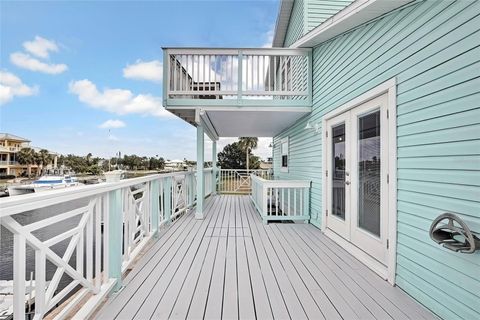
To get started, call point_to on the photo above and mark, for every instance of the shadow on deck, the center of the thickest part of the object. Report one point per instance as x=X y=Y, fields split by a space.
x=231 y=266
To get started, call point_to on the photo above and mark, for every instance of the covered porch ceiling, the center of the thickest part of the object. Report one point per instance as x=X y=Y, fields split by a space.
x=242 y=122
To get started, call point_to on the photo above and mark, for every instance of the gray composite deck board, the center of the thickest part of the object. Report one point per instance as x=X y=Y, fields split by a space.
x=232 y=266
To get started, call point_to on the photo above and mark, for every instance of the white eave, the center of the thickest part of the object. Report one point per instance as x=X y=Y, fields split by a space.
x=281 y=26
x=357 y=13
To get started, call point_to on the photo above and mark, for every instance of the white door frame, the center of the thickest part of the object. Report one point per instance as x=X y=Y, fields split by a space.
x=388 y=273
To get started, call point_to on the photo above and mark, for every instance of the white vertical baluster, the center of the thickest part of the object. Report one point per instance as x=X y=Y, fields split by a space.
x=89 y=249
x=269 y=61
x=301 y=201
x=275 y=79
x=198 y=72
x=79 y=251
x=294 y=202
x=19 y=261
x=98 y=245
x=288 y=202
x=40 y=283
x=258 y=73
x=277 y=201
x=270 y=195
x=231 y=74
x=175 y=73
x=204 y=73
x=106 y=232
x=262 y=74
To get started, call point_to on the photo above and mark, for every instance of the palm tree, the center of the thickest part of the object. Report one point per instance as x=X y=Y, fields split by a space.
x=248 y=144
x=44 y=158
x=26 y=156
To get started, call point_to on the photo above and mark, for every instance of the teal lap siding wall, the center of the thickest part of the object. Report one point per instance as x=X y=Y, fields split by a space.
x=432 y=48
x=308 y=14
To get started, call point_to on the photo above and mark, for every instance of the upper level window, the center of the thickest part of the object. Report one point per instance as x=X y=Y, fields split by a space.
x=284 y=150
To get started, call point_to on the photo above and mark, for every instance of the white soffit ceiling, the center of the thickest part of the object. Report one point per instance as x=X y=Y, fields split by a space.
x=252 y=123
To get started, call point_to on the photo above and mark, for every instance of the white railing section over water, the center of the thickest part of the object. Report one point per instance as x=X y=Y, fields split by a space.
x=108 y=225
x=277 y=200
x=238 y=181
x=215 y=73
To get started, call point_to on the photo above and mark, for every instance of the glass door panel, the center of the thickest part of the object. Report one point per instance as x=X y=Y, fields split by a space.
x=338 y=171
x=369 y=174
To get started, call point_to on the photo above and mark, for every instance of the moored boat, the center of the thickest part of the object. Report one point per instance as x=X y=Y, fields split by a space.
x=45 y=182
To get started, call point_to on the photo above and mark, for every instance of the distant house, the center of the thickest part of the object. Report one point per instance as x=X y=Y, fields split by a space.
x=175 y=165
x=10 y=145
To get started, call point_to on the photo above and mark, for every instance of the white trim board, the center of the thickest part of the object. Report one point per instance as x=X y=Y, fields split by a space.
x=352 y=16
x=389 y=88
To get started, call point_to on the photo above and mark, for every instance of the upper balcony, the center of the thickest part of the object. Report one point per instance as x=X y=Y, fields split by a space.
x=235 y=91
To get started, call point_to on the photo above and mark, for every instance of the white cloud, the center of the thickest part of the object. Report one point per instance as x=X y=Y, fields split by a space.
x=40 y=47
x=26 y=61
x=144 y=70
x=269 y=37
x=119 y=101
x=112 y=124
x=11 y=86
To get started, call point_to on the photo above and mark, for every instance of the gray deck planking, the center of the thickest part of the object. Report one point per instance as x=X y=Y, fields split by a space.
x=232 y=266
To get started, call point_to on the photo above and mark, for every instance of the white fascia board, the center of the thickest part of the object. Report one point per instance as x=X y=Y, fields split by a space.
x=204 y=121
x=357 y=13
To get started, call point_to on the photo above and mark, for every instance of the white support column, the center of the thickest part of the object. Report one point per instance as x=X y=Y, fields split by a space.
x=214 y=166
x=200 y=173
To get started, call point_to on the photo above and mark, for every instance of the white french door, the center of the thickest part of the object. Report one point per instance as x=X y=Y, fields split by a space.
x=357 y=167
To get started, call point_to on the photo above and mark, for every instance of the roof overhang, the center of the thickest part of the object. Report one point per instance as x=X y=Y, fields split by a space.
x=242 y=121
x=355 y=14
x=283 y=20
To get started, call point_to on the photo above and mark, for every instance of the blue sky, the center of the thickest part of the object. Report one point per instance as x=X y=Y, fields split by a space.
x=83 y=76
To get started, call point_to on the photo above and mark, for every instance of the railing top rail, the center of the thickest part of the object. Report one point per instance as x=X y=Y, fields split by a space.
x=249 y=170
x=283 y=183
x=236 y=51
x=14 y=205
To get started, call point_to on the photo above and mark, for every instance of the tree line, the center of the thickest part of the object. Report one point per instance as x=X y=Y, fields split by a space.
x=237 y=155
x=88 y=164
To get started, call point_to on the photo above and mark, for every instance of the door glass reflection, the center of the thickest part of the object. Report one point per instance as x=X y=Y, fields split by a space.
x=338 y=170
x=369 y=173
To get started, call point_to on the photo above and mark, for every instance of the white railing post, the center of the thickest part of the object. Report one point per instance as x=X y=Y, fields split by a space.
x=200 y=173
x=306 y=203
x=154 y=207
x=240 y=74
x=191 y=188
x=40 y=283
x=214 y=167
x=115 y=237
x=167 y=196
x=265 y=199
x=19 y=265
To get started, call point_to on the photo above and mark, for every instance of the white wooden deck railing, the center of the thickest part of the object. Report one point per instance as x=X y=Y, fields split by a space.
x=238 y=181
x=281 y=199
x=210 y=73
x=113 y=222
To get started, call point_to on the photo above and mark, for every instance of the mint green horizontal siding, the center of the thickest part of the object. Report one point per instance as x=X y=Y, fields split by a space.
x=308 y=14
x=317 y=11
x=432 y=48
x=296 y=25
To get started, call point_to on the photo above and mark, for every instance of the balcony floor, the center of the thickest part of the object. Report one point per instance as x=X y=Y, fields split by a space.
x=232 y=266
